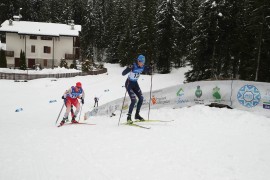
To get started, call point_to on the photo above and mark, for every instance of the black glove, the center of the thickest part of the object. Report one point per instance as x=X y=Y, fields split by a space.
x=82 y=101
x=63 y=97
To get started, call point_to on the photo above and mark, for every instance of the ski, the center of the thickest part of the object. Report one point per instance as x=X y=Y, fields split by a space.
x=154 y=120
x=137 y=125
x=79 y=123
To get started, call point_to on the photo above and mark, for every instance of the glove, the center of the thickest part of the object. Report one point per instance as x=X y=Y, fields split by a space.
x=82 y=101
x=130 y=66
x=63 y=97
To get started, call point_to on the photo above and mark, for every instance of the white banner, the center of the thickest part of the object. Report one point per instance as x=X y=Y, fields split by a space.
x=243 y=95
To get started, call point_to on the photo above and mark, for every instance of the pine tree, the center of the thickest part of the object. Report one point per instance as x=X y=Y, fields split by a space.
x=259 y=23
x=27 y=10
x=87 y=66
x=3 y=60
x=186 y=15
x=117 y=31
x=148 y=46
x=88 y=33
x=232 y=39
x=22 y=61
x=204 y=50
x=99 y=43
x=126 y=49
x=109 y=14
x=63 y=63
x=39 y=11
x=57 y=11
x=166 y=35
x=8 y=8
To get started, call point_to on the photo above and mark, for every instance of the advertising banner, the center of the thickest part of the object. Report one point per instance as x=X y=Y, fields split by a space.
x=243 y=95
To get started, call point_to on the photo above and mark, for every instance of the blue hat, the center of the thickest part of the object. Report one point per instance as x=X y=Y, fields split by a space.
x=141 y=58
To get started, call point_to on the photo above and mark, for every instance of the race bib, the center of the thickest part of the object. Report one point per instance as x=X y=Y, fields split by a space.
x=134 y=76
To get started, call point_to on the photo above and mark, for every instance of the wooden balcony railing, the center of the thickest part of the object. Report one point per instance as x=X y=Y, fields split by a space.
x=9 y=53
x=69 y=56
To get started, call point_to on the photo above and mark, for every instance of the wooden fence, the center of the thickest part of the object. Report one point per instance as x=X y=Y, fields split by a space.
x=25 y=76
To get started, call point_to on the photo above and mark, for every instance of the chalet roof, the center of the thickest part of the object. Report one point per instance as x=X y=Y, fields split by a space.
x=40 y=28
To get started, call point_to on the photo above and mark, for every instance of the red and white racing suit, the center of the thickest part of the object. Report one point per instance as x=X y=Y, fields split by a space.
x=72 y=95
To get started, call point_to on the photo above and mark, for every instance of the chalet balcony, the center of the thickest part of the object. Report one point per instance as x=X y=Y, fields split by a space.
x=69 y=56
x=9 y=53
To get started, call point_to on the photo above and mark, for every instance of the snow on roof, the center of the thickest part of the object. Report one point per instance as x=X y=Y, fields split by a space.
x=40 y=28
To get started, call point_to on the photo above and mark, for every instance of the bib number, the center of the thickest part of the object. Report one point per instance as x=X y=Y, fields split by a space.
x=134 y=76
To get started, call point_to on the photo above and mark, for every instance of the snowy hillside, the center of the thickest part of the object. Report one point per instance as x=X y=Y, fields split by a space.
x=202 y=143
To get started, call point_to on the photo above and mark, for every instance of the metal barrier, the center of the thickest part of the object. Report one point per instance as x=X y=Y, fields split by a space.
x=25 y=76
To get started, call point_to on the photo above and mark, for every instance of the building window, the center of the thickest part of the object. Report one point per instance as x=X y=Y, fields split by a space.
x=33 y=37
x=33 y=49
x=47 y=49
x=3 y=38
x=45 y=62
x=46 y=38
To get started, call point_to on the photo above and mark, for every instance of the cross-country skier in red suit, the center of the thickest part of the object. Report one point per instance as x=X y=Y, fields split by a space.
x=71 y=97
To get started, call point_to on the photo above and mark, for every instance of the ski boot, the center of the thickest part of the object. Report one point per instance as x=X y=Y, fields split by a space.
x=138 y=117
x=74 y=120
x=129 y=121
x=63 y=121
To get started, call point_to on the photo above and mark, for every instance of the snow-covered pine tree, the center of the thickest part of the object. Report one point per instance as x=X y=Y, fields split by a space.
x=87 y=66
x=117 y=30
x=8 y=8
x=88 y=33
x=203 y=54
x=3 y=60
x=148 y=37
x=77 y=10
x=99 y=42
x=231 y=37
x=166 y=32
x=126 y=48
x=259 y=25
x=185 y=15
x=109 y=13
x=63 y=63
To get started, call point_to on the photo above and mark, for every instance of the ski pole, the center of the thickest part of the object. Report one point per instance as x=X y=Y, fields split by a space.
x=122 y=107
x=150 y=93
x=59 y=113
x=124 y=97
x=101 y=96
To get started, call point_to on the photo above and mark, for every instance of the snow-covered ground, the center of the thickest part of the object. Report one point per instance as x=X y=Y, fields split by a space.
x=202 y=143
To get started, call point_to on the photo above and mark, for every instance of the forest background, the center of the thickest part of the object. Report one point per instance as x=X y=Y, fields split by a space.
x=218 y=39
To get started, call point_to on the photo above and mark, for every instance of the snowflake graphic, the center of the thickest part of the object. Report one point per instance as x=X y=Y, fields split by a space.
x=249 y=96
